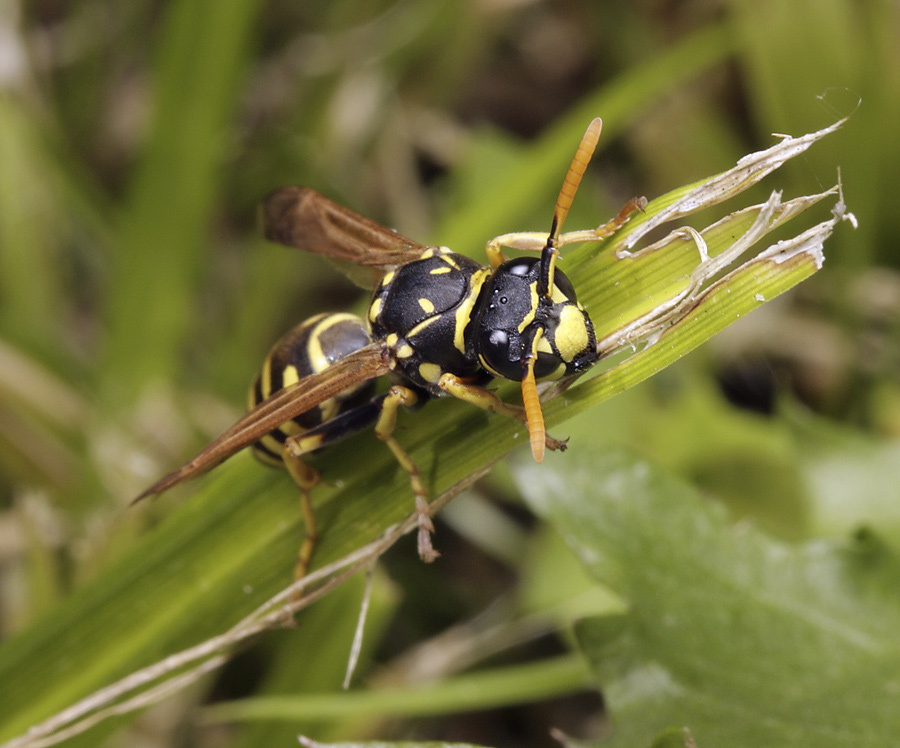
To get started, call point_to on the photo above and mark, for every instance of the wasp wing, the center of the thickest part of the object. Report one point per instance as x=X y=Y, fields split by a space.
x=365 y=250
x=365 y=364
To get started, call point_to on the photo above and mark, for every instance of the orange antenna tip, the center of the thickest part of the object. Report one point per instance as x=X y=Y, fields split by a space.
x=576 y=171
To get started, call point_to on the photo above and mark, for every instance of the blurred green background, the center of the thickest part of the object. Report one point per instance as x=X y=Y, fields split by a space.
x=137 y=298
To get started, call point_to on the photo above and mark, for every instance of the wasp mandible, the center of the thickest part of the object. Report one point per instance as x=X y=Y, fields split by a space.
x=439 y=323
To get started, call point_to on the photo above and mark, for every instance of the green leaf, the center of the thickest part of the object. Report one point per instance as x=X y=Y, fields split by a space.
x=218 y=557
x=743 y=639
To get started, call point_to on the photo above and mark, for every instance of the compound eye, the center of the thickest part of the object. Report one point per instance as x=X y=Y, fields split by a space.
x=561 y=281
x=495 y=350
x=520 y=266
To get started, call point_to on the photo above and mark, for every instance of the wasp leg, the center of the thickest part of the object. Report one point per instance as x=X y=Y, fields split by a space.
x=384 y=428
x=306 y=478
x=487 y=400
x=382 y=411
x=535 y=241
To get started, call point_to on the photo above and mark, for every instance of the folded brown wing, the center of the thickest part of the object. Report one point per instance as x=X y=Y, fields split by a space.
x=302 y=218
x=366 y=363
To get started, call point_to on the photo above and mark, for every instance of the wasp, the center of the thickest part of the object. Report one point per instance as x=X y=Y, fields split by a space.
x=439 y=323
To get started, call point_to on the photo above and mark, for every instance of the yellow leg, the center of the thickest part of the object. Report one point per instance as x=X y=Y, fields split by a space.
x=487 y=400
x=535 y=241
x=384 y=429
x=306 y=479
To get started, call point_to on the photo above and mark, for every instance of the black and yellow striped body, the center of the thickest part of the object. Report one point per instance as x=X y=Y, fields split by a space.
x=426 y=312
x=439 y=323
x=310 y=348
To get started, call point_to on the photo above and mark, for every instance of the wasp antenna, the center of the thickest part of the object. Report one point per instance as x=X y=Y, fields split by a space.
x=573 y=177
x=566 y=194
x=534 y=418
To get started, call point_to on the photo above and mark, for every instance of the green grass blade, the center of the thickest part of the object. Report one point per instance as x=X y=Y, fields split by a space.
x=489 y=689
x=221 y=554
x=166 y=224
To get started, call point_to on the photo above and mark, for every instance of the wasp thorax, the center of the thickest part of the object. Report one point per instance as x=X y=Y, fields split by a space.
x=514 y=314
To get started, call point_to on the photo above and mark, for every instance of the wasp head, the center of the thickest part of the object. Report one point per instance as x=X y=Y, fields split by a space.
x=520 y=320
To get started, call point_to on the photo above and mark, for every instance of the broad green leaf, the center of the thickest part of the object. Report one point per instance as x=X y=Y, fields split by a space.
x=853 y=479
x=743 y=639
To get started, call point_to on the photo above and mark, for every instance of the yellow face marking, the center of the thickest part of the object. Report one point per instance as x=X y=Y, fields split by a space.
x=464 y=311
x=439 y=271
x=551 y=275
x=426 y=305
x=430 y=372
x=557 y=296
x=486 y=366
x=543 y=345
x=571 y=336
x=557 y=373
x=534 y=305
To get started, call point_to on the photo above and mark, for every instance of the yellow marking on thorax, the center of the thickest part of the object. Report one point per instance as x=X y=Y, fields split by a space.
x=529 y=318
x=440 y=271
x=375 y=308
x=426 y=305
x=464 y=312
x=430 y=372
x=430 y=252
x=450 y=261
x=422 y=325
